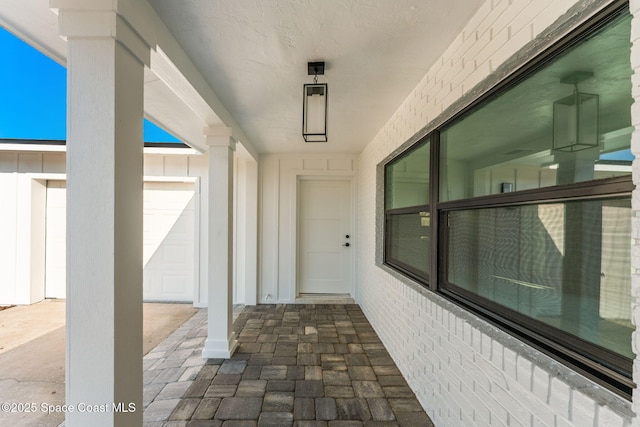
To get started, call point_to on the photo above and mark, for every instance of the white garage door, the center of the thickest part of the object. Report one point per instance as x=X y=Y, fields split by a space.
x=168 y=240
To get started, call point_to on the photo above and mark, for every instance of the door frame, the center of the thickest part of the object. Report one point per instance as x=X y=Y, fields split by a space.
x=295 y=265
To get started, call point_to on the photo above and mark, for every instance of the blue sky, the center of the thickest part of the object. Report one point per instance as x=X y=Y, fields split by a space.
x=34 y=93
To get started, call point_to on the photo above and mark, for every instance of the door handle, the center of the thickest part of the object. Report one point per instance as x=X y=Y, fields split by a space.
x=346 y=244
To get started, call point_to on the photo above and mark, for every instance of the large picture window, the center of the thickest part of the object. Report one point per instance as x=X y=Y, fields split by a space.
x=532 y=205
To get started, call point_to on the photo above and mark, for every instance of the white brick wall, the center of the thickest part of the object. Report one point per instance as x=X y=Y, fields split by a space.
x=464 y=371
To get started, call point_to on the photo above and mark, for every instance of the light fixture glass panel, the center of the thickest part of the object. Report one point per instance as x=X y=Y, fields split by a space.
x=314 y=126
x=588 y=119
x=575 y=122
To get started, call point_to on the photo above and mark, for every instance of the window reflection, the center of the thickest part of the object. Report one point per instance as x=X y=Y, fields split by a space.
x=567 y=265
x=410 y=240
x=407 y=179
x=510 y=138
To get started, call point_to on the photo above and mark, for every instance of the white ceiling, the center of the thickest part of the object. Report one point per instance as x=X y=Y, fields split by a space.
x=253 y=54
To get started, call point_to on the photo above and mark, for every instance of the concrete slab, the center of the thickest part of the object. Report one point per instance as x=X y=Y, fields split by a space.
x=32 y=356
x=160 y=320
x=23 y=323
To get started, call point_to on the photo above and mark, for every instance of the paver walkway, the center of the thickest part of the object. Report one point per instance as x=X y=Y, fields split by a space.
x=296 y=365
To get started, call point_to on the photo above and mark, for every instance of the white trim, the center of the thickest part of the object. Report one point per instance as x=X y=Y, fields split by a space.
x=168 y=151
x=147 y=178
x=220 y=349
x=60 y=148
x=45 y=176
x=185 y=179
x=34 y=147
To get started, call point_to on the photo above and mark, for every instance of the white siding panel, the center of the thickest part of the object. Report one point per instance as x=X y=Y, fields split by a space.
x=54 y=162
x=30 y=162
x=8 y=235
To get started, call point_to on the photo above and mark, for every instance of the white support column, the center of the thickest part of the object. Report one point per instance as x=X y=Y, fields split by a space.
x=105 y=65
x=220 y=342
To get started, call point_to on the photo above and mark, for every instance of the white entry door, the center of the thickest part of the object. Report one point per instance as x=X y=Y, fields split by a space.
x=325 y=246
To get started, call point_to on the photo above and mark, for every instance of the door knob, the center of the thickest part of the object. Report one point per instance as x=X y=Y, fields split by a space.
x=346 y=244
x=347 y=236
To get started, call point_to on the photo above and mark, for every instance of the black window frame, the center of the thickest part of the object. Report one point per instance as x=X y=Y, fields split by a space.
x=422 y=276
x=607 y=368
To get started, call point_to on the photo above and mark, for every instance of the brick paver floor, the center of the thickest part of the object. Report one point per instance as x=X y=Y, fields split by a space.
x=303 y=366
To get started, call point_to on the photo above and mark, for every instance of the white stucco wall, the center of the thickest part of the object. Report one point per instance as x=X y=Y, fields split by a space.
x=463 y=370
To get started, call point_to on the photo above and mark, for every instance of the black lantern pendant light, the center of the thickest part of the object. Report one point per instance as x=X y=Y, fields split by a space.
x=314 y=107
x=575 y=117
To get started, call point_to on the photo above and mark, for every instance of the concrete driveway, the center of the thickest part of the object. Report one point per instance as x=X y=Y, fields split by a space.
x=32 y=355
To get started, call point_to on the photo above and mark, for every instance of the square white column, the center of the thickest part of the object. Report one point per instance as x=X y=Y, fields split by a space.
x=104 y=215
x=220 y=342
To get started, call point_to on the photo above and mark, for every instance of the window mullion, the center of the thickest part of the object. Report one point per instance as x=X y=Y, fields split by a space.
x=434 y=180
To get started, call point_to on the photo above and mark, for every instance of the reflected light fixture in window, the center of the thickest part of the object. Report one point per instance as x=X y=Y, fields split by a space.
x=575 y=117
x=314 y=107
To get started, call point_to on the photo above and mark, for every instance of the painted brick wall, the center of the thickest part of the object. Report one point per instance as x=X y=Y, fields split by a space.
x=464 y=371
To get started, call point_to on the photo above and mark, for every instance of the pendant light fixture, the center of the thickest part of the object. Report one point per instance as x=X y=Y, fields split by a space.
x=314 y=107
x=575 y=117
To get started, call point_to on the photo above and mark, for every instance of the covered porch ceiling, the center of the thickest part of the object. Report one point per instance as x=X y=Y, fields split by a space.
x=242 y=63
